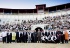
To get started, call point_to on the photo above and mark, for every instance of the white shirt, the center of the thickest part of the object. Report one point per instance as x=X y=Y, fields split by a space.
x=4 y=34
x=53 y=37
x=29 y=35
x=46 y=37
x=9 y=33
x=19 y=34
x=43 y=38
x=24 y=33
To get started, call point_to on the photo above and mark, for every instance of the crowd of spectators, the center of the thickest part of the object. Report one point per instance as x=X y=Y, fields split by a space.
x=54 y=22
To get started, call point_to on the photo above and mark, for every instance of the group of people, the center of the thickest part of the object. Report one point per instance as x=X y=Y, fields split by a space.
x=21 y=32
x=38 y=36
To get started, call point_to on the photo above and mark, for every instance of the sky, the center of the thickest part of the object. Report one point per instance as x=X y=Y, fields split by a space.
x=29 y=4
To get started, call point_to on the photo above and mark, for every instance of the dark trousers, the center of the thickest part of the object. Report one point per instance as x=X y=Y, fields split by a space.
x=35 y=40
x=39 y=39
x=57 y=41
x=4 y=39
x=66 y=41
x=25 y=39
x=9 y=39
x=32 y=39
x=46 y=40
x=43 y=41
x=17 y=39
x=62 y=40
x=13 y=40
x=20 y=39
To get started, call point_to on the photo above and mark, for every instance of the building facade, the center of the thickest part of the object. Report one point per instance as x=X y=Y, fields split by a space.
x=41 y=11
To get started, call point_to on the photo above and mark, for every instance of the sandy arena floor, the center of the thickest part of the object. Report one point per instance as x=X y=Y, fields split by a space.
x=34 y=45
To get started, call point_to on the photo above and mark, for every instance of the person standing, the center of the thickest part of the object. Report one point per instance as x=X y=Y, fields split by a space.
x=62 y=37
x=20 y=36
x=13 y=36
x=66 y=35
x=29 y=37
x=4 y=35
x=32 y=37
x=25 y=36
x=58 y=35
x=35 y=36
x=9 y=36
x=39 y=36
x=17 y=36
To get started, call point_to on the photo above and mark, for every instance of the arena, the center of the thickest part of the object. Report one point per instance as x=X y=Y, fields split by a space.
x=35 y=28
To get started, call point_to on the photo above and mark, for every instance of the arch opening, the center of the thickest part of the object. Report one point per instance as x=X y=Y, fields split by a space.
x=38 y=28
